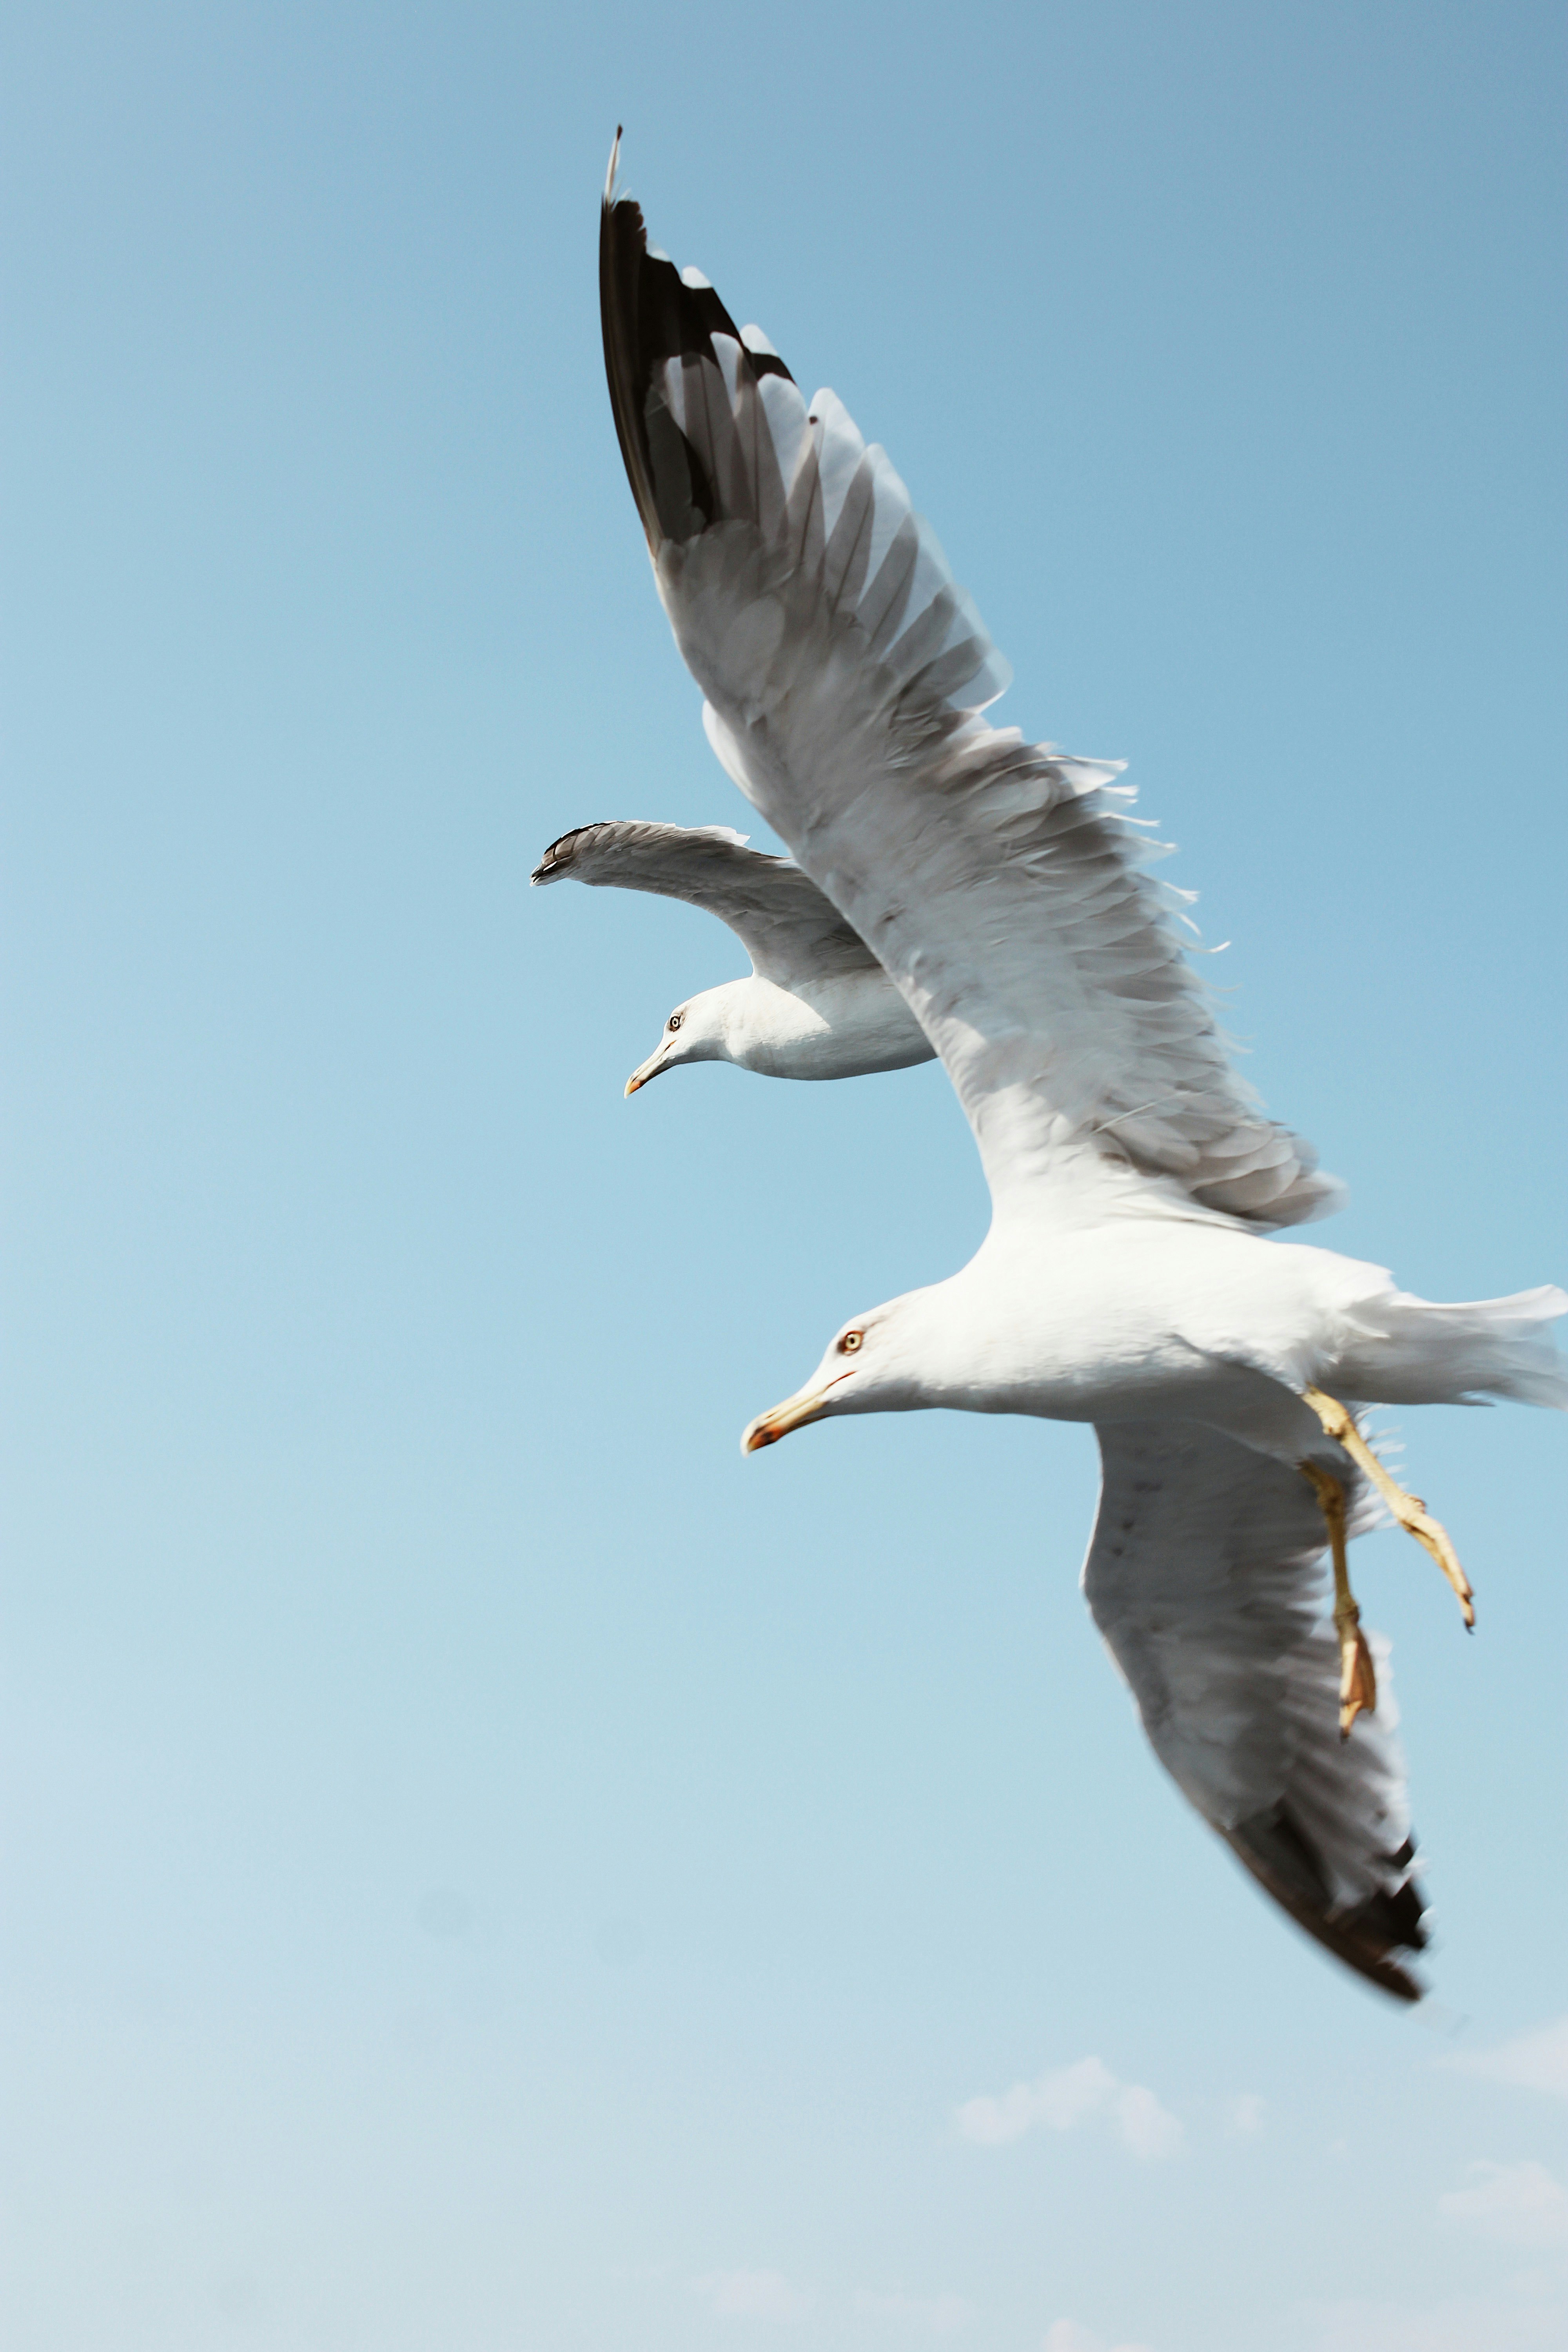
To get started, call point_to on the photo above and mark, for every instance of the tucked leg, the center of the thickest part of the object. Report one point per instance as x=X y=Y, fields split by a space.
x=1408 y=1509
x=1358 y=1681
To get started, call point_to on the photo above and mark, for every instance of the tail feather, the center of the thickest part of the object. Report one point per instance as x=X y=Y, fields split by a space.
x=1413 y=1351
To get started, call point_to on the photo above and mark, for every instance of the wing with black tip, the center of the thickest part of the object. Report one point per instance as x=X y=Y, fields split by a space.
x=1206 y=1577
x=1004 y=886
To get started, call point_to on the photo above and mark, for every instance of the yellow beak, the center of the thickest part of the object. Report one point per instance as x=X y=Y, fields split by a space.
x=646 y=1070
x=806 y=1404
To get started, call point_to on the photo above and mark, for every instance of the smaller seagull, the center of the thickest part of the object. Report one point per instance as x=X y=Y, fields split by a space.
x=817 y=1003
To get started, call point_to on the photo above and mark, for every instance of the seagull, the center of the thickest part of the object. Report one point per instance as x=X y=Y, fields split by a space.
x=817 y=1003
x=1005 y=887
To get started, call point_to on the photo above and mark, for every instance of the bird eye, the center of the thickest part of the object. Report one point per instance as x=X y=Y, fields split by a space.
x=850 y=1341
x=674 y=1019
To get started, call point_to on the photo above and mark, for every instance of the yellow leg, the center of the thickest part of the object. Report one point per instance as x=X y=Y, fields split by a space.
x=1358 y=1683
x=1408 y=1509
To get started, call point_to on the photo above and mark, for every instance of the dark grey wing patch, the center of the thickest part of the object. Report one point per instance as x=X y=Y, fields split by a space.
x=791 y=931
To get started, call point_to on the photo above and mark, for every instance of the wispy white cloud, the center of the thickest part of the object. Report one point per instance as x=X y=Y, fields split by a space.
x=1537 y=2062
x=1149 y=2129
x=940 y=2315
x=1469 y=2326
x=752 y=2294
x=1061 y=2099
x=1067 y=2336
x=1244 y=2114
x=1513 y=2204
x=1067 y=2095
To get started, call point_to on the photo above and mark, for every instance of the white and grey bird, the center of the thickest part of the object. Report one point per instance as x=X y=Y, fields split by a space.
x=816 y=1003
x=1123 y=1282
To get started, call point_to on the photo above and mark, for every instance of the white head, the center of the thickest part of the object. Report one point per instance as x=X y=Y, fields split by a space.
x=886 y=1361
x=697 y=1031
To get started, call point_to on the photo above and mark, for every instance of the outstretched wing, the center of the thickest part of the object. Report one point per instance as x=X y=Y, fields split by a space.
x=790 y=932
x=1005 y=886
x=1206 y=1577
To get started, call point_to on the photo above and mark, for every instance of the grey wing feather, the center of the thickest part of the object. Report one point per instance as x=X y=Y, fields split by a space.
x=1205 y=1576
x=790 y=930
x=1001 y=885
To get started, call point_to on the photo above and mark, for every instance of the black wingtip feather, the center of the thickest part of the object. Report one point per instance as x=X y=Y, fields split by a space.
x=648 y=315
x=1281 y=1856
x=560 y=854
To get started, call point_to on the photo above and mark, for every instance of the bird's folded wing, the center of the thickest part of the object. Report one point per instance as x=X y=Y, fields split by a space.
x=792 y=933
x=1206 y=1577
x=1004 y=886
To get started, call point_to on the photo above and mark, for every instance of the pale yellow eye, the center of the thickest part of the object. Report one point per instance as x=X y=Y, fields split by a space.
x=850 y=1341
x=675 y=1020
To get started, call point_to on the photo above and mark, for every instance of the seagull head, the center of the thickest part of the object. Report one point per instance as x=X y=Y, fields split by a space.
x=697 y=1031
x=872 y=1366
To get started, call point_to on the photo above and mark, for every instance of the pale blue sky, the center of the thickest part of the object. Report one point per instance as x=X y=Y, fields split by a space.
x=488 y=1869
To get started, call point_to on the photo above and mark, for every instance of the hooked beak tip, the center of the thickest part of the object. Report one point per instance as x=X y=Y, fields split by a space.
x=796 y=1413
x=654 y=1067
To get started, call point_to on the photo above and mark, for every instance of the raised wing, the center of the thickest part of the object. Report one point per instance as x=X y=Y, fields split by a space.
x=1206 y=1577
x=1004 y=886
x=792 y=933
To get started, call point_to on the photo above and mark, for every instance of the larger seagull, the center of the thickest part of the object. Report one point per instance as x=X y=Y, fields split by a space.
x=1003 y=889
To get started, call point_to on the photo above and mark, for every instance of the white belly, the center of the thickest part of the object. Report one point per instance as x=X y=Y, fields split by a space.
x=1149 y=1313
x=842 y=1028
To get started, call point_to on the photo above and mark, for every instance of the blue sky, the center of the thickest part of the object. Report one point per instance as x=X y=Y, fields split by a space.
x=488 y=1868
